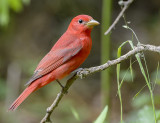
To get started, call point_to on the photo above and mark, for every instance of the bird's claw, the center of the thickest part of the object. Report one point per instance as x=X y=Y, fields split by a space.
x=77 y=70
x=63 y=88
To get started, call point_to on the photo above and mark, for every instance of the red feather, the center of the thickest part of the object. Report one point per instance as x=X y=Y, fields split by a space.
x=69 y=52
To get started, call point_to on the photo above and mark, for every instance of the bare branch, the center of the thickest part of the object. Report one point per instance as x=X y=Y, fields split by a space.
x=125 y=5
x=58 y=99
x=87 y=71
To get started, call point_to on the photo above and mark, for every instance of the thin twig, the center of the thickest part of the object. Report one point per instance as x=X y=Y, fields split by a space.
x=58 y=99
x=125 y=5
x=87 y=71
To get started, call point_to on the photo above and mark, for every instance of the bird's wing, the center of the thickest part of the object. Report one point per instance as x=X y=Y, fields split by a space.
x=54 y=59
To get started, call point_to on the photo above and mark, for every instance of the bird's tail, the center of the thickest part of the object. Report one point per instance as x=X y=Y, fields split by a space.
x=22 y=97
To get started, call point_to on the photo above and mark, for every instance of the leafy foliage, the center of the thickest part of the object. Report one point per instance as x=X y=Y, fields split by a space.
x=145 y=115
x=6 y=5
x=102 y=116
x=75 y=113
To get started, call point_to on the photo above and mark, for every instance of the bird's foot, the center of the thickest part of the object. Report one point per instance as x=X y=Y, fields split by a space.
x=77 y=70
x=63 y=88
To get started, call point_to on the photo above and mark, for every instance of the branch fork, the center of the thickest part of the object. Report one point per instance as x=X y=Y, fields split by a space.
x=82 y=73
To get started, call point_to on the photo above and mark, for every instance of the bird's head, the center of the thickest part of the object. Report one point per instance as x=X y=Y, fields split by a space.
x=82 y=23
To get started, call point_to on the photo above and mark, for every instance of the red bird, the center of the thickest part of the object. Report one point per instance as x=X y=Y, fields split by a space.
x=69 y=52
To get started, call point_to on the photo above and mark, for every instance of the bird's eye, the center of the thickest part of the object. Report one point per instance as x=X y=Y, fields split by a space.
x=80 y=21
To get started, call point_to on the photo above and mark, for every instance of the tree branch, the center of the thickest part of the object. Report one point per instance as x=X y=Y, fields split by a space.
x=87 y=71
x=125 y=5
x=58 y=99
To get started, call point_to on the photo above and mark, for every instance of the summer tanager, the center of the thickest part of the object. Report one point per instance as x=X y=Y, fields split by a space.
x=69 y=52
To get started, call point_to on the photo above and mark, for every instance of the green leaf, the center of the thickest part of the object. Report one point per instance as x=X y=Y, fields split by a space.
x=155 y=76
x=118 y=78
x=4 y=12
x=140 y=99
x=26 y=2
x=126 y=75
x=101 y=118
x=125 y=26
x=158 y=115
x=5 y=5
x=16 y=5
x=131 y=70
x=75 y=113
x=146 y=77
x=146 y=115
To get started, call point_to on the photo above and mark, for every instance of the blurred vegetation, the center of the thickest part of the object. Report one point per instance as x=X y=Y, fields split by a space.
x=30 y=28
x=105 y=50
x=6 y=5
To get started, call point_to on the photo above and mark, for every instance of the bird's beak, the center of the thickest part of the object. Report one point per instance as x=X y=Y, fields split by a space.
x=92 y=23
